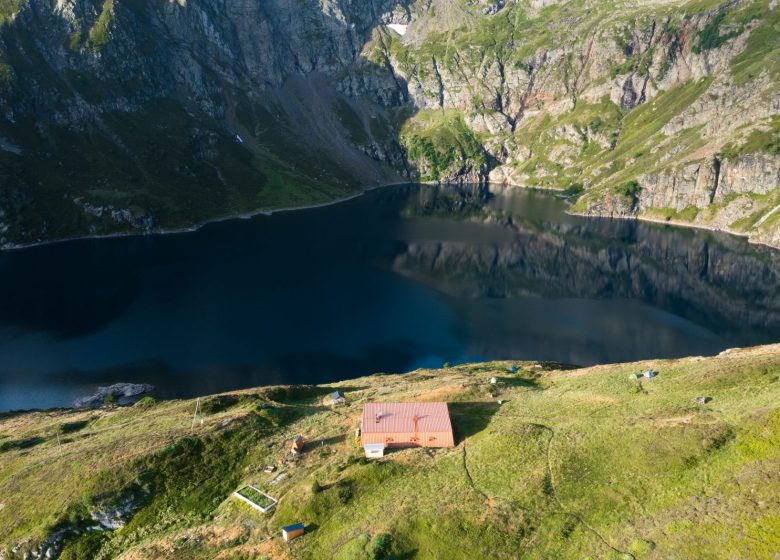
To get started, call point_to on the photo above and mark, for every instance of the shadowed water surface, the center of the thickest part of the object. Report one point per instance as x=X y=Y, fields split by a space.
x=400 y=278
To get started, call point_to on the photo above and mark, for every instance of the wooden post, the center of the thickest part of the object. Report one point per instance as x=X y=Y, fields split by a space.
x=195 y=416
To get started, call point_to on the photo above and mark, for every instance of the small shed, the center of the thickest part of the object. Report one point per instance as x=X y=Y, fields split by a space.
x=493 y=380
x=337 y=398
x=374 y=450
x=513 y=369
x=290 y=532
x=649 y=374
x=297 y=444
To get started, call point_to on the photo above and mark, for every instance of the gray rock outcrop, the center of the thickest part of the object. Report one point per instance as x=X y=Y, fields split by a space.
x=119 y=391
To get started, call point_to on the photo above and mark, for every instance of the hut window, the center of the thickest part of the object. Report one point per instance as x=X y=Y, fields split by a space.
x=432 y=438
x=414 y=439
x=389 y=440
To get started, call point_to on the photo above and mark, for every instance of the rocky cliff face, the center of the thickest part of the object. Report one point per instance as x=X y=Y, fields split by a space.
x=711 y=181
x=127 y=115
x=658 y=111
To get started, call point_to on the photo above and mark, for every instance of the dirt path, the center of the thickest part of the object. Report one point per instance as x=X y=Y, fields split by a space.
x=562 y=509
x=469 y=477
x=766 y=216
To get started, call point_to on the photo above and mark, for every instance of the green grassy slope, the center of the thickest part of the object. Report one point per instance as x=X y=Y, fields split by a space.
x=575 y=463
x=167 y=168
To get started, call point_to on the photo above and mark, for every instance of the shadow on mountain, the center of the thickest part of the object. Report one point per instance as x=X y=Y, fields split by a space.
x=218 y=112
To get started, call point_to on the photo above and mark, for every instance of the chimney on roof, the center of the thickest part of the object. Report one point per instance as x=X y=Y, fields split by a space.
x=415 y=419
x=378 y=417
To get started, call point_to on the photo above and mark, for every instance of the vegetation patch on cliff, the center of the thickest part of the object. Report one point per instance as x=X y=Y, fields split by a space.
x=441 y=146
x=762 y=52
x=765 y=137
x=8 y=8
x=98 y=35
x=670 y=214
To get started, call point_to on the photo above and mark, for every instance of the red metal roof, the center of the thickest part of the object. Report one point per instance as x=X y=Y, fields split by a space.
x=399 y=417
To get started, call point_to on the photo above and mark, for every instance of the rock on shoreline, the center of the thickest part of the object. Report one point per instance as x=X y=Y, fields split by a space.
x=120 y=391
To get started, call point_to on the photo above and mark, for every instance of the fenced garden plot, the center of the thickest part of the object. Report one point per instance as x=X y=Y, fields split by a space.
x=255 y=498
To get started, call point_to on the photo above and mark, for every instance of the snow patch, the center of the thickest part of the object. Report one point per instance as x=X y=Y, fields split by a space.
x=398 y=28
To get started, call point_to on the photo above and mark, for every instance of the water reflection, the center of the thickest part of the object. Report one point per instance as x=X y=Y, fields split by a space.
x=515 y=244
x=400 y=278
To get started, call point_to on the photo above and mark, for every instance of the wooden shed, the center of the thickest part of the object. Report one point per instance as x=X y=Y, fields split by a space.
x=407 y=425
x=297 y=444
x=291 y=532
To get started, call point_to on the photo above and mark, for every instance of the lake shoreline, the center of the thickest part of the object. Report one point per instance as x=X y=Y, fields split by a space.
x=649 y=219
x=195 y=227
x=680 y=224
x=362 y=191
x=152 y=390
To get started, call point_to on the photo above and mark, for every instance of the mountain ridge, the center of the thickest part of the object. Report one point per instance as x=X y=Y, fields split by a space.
x=129 y=115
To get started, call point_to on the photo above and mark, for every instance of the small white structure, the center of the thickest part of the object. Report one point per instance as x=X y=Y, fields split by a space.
x=374 y=450
x=398 y=28
x=493 y=380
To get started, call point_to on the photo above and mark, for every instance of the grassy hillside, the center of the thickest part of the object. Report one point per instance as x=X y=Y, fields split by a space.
x=574 y=463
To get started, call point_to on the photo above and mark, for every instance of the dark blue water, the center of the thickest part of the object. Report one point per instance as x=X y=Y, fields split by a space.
x=400 y=278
